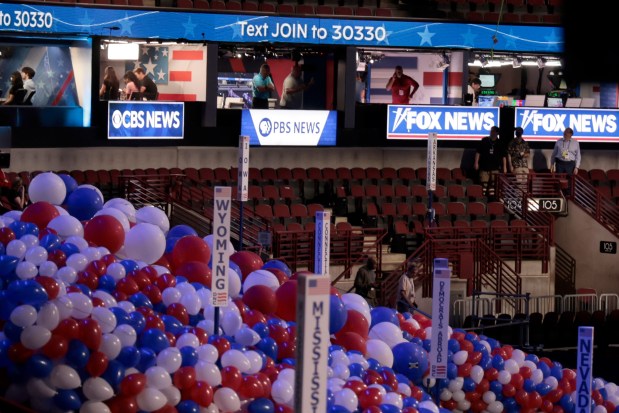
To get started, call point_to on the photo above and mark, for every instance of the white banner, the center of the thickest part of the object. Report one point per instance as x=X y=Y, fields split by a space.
x=243 y=178
x=584 y=373
x=313 y=343
x=221 y=238
x=322 y=239
x=431 y=162
x=440 y=318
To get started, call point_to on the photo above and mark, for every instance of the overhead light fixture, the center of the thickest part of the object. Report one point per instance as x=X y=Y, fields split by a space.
x=516 y=62
x=529 y=63
x=553 y=63
x=541 y=62
x=123 y=51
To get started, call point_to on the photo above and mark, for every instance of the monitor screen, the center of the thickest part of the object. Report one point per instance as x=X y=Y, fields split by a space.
x=486 y=101
x=487 y=80
x=555 y=102
x=534 y=100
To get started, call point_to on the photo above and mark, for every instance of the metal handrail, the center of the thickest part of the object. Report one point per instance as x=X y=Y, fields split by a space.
x=596 y=204
x=608 y=302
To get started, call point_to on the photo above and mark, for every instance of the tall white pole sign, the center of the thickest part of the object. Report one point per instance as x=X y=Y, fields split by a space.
x=221 y=238
x=322 y=238
x=431 y=162
x=243 y=178
x=440 y=318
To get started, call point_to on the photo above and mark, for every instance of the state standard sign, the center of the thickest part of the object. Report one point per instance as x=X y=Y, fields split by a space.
x=243 y=169
x=440 y=319
x=431 y=162
x=221 y=238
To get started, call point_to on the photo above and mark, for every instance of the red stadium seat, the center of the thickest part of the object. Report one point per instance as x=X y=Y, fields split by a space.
x=234 y=5
x=218 y=5
x=201 y=4
x=249 y=5
x=324 y=9
x=343 y=11
x=364 y=11
x=380 y=12
x=305 y=9
x=183 y=4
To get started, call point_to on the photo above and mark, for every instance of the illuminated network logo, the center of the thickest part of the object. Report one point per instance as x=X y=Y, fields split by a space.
x=117 y=119
x=265 y=126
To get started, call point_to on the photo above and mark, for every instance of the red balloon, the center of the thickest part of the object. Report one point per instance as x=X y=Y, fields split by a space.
x=184 y=377
x=450 y=405
x=370 y=397
x=278 y=333
x=547 y=406
x=569 y=374
x=190 y=248
x=478 y=406
x=238 y=301
x=122 y=404
x=165 y=280
x=140 y=278
x=253 y=317
x=281 y=276
x=221 y=344
x=68 y=328
x=39 y=213
x=247 y=261
x=555 y=395
x=178 y=311
x=51 y=286
x=202 y=393
x=127 y=285
x=18 y=353
x=105 y=231
x=474 y=357
x=287 y=349
x=483 y=386
x=517 y=380
x=97 y=302
x=491 y=374
x=88 y=279
x=195 y=272
x=90 y=333
x=56 y=347
x=351 y=341
x=464 y=370
x=231 y=377
x=58 y=257
x=200 y=333
x=97 y=363
x=266 y=384
x=250 y=388
x=109 y=259
x=535 y=400
x=597 y=397
x=132 y=384
x=153 y=293
x=372 y=377
x=286 y=296
x=525 y=372
x=262 y=298
x=357 y=323
x=522 y=397
x=466 y=346
x=509 y=390
x=472 y=396
x=6 y=235
x=166 y=409
x=356 y=386
x=557 y=409
x=372 y=409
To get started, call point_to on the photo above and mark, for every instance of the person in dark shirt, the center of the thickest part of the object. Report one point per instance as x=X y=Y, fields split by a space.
x=365 y=281
x=148 y=88
x=110 y=89
x=16 y=84
x=490 y=160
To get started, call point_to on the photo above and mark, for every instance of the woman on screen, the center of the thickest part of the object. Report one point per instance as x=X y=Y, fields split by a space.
x=131 y=82
x=16 y=84
x=110 y=89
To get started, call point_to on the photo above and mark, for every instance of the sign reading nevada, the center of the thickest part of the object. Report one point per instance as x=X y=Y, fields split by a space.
x=449 y=122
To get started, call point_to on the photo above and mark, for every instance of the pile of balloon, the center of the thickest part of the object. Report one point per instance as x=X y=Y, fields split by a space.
x=105 y=308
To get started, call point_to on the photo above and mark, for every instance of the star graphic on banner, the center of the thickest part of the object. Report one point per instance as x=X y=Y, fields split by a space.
x=468 y=38
x=552 y=40
x=387 y=34
x=125 y=25
x=51 y=74
x=85 y=20
x=156 y=56
x=164 y=52
x=136 y=64
x=144 y=50
x=40 y=85
x=510 y=41
x=150 y=67
x=426 y=37
x=189 y=27
x=160 y=75
x=236 y=29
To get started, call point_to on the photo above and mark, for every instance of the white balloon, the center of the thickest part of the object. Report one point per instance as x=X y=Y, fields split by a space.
x=67 y=274
x=66 y=226
x=208 y=372
x=170 y=359
x=30 y=241
x=92 y=254
x=488 y=397
x=48 y=269
x=387 y=332
x=118 y=214
x=151 y=399
x=39 y=388
x=157 y=377
x=379 y=351
x=48 y=316
x=35 y=337
x=234 y=283
x=456 y=384
x=116 y=271
x=78 y=241
x=64 y=305
x=65 y=377
x=170 y=295
x=110 y=346
x=208 y=352
x=477 y=374
x=172 y=394
x=61 y=210
x=341 y=371
x=458 y=396
x=47 y=187
x=122 y=205
x=94 y=407
x=495 y=407
x=127 y=306
x=187 y=340
x=12 y=216
x=246 y=336
x=105 y=318
x=145 y=242
x=460 y=357
x=108 y=300
x=26 y=270
x=356 y=302
x=428 y=405
x=261 y=277
x=77 y=261
x=23 y=315
x=227 y=400
x=518 y=356
x=82 y=304
x=504 y=377
x=347 y=399
x=37 y=255
x=255 y=362
x=511 y=366
x=16 y=248
x=191 y=301
x=97 y=389
x=237 y=359
x=282 y=391
x=231 y=322
x=153 y=215
x=287 y=375
x=126 y=334
x=446 y=395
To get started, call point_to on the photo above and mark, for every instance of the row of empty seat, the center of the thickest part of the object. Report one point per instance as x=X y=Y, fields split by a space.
x=283 y=8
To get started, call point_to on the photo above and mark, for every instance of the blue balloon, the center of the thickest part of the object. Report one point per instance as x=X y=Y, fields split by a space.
x=289 y=361
x=373 y=364
x=235 y=267
x=130 y=265
x=189 y=356
x=280 y=265
x=496 y=387
x=139 y=299
x=77 y=354
x=410 y=360
x=336 y=408
x=31 y=229
x=121 y=315
x=261 y=405
x=338 y=314
x=269 y=346
x=188 y=406
x=106 y=283
x=170 y=242
x=469 y=384
x=84 y=289
x=498 y=362
x=384 y=314
x=50 y=242
x=148 y=358
x=453 y=345
x=557 y=370
x=69 y=249
x=485 y=362
x=178 y=231
x=389 y=408
x=426 y=344
x=84 y=203
x=39 y=366
x=70 y=183
x=7 y=304
x=8 y=263
x=129 y=356
x=355 y=369
x=261 y=329
x=410 y=402
x=28 y=292
x=12 y=331
x=18 y=228
x=532 y=357
x=137 y=321
x=154 y=339
x=452 y=370
x=67 y=400
x=114 y=373
x=543 y=388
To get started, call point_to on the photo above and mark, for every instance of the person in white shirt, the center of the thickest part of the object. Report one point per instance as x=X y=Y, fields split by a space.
x=293 y=89
x=406 y=291
x=27 y=73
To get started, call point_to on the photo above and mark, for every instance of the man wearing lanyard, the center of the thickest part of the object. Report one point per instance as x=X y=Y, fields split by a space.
x=565 y=157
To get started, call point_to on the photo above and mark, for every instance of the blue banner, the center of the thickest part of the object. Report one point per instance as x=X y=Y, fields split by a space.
x=224 y=27
x=548 y=124
x=584 y=373
x=145 y=120
x=448 y=122
x=272 y=127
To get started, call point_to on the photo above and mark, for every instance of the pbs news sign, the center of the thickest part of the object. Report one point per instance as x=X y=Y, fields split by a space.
x=285 y=127
x=145 y=120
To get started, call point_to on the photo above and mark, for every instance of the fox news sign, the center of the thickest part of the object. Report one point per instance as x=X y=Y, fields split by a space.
x=145 y=120
x=270 y=127
x=448 y=122
x=548 y=124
